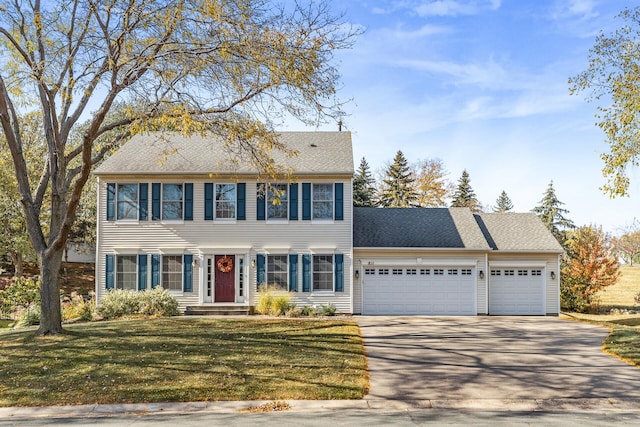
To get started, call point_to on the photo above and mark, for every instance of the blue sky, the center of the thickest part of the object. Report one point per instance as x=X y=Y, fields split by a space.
x=482 y=85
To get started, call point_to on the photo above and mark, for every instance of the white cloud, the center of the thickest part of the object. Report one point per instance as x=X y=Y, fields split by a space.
x=455 y=7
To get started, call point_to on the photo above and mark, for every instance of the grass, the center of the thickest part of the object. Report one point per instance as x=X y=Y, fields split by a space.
x=622 y=294
x=4 y=323
x=179 y=359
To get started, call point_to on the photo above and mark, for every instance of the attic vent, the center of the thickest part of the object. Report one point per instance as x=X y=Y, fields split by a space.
x=313 y=145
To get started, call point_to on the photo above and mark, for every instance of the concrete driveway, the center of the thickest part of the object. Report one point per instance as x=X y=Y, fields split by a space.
x=502 y=358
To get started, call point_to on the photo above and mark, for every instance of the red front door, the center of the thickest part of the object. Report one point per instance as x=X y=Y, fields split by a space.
x=225 y=290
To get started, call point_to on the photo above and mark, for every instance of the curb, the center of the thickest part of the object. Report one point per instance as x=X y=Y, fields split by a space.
x=302 y=406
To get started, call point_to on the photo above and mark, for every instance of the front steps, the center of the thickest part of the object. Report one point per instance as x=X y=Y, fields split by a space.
x=217 y=310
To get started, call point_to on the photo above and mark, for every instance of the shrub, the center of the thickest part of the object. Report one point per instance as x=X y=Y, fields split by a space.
x=28 y=316
x=310 y=311
x=152 y=302
x=637 y=298
x=158 y=302
x=280 y=304
x=293 y=311
x=77 y=308
x=22 y=293
x=273 y=301
x=328 y=310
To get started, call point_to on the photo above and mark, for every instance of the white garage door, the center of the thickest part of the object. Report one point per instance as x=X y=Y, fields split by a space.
x=438 y=291
x=516 y=291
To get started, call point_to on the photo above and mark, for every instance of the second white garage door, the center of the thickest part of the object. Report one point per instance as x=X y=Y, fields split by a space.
x=431 y=291
x=516 y=291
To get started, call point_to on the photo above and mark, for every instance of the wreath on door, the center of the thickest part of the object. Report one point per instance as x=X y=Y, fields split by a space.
x=225 y=264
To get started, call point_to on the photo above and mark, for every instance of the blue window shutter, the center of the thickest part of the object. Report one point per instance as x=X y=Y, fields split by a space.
x=109 y=269
x=142 y=272
x=293 y=272
x=306 y=201
x=306 y=273
x=242 y=201
x=111 y=201
x=208 y=201
x=155 y=201
x=339 y=204
x=293 y=202
x=187 y=267
x=339 y=272
x=260 y=201
x=188 y=201
x=260 y=278
x=155 y=271
x=143 y=201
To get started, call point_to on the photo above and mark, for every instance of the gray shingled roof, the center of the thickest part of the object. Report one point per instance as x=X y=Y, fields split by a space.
x=324 y=153
x=453 y=228
x=517 y=232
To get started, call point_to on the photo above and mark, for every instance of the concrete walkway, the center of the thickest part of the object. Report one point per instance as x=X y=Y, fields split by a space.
x=468 y=359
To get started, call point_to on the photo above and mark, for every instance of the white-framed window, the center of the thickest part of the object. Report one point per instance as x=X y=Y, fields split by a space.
x=225 y=201
x=322 y=201
x=127 y=202
x=172 y=272
x=172 y=201
x=323 y=272
x=240 y=276
x=278 y=201
x=278 y=271
x=127 y=272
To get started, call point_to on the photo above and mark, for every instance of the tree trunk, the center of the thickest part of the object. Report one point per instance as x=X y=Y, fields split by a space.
x=17 y=260
x=51 y=313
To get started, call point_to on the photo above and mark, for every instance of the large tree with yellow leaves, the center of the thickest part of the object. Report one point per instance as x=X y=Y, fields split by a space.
x=235 y=68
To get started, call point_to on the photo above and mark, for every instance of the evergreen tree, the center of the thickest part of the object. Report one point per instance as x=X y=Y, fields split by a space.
x=503 y=203
x=464 y=196
x=553 y=215
x=363 y=188
x=398 y=186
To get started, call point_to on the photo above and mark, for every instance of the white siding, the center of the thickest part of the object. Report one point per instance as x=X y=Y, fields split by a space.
x=250 y=236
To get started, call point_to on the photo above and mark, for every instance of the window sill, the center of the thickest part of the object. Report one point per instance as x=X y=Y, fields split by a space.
x=322 y=221
x=277 y=221
x=323 y=293
x=127 y=222
x=172 y=221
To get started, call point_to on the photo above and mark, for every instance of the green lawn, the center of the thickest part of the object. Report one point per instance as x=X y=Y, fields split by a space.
x=184 y=359
x=622 y=294
x=5 y=323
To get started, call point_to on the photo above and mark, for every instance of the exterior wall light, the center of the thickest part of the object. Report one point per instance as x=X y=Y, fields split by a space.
x=481 y=275
x=357 y=274
x=553 y=275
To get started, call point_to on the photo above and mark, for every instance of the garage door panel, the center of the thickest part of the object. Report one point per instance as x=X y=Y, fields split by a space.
x=428 y=291
x=518 y=291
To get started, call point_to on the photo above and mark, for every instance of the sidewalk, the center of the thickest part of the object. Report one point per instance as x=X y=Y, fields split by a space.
x=315 y=406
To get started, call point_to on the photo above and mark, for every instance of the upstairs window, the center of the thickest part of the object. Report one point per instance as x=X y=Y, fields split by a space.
x=225 y=201
x=277 y=201
x=172 y=202
x=322 y=201
x=127 y=201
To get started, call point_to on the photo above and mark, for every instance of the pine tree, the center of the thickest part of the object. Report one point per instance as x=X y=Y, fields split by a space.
x=503 y=203
x=464 y=196
x=363 y=188
x=398 y=186
x=553 y=215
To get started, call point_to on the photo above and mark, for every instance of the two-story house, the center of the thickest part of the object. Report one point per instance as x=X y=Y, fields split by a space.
x=182 y=213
